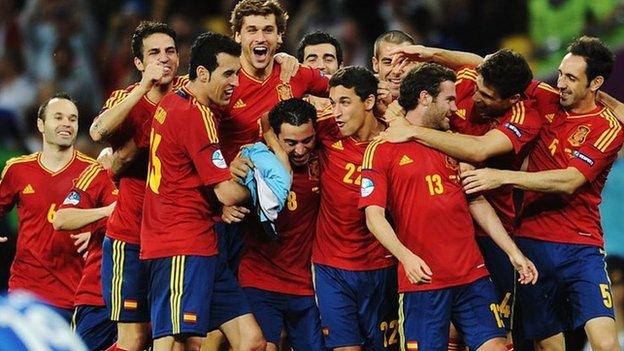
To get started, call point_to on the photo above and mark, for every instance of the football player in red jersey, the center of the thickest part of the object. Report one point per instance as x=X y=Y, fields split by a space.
x=46 y=262
x=87 y=206
x=192 y=290
x=560 y=222
x=320 y=50
x=125 y=122
x=441 y=269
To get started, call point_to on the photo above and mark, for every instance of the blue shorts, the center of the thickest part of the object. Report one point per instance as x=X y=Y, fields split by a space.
x=298 y=314
x=358 y=308
x=124 y=282
x=94 y=327
x=503 y=276
x=191 y=295
x=424 y=316
x=230 y=241
x=573 y=287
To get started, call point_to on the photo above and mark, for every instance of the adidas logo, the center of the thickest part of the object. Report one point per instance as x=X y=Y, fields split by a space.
x=405 y=160
x=550 y=117
x=338 y=145
x=239 y=104
x=461 y=113
x=28 y=189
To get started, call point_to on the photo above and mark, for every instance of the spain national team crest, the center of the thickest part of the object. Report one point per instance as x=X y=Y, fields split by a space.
x=579 y=136
x=284 y=91
x=314 y=168
x=451 y=163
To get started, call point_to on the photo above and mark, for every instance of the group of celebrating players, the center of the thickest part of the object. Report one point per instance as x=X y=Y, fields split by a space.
x=395 y=233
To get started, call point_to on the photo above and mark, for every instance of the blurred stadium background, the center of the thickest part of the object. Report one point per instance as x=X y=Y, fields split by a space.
x=83 y=47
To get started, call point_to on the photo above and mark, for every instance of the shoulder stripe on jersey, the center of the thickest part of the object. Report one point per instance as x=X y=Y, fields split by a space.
x=208 y=119
x=115 y=98
x=85 y=158
x=607 y=137
x=467 y=71
x=518 y=112
x=19 y=159
x=180 y=81
x=87 y=176
x=367 y=162
x=547 y=87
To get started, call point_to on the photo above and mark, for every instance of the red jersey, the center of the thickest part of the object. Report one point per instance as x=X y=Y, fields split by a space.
x=240 y=122
x=342 y=238
x=284 y=266
x=92 y=189
x=521 y=124
x=185 y=164
x=125 y=222
x=421 y=189
x=45 y=263
x=589 y=143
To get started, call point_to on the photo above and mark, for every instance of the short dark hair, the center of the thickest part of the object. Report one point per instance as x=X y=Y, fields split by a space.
x=598 y=56
x=361 y=79
x=246 y=8
x=394 y=37
x=316 y=38
x=59 y=95
x=507 y=72
x=144 y=30
x=206 y=48
x=425 y=76
x=293 y=111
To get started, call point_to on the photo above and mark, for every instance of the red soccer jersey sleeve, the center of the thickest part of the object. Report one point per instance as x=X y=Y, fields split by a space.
x=589 y=143
x=92 y=189
x=521 y=124
x=419 y=186
x=185 y=164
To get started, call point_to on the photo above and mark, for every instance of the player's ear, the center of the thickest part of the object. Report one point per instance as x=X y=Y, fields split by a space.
x=279 y=39
x=424 y=98
x=139 y=64
x=375 y=64
x=40 y=125
x=237 y=37
x=596 y=83
x=514 y=99
x=369 y=103
x=202 y=74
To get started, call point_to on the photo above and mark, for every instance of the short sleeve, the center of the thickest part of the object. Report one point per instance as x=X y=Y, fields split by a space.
x=521 y=125
x=8 y=190
x=316 y=82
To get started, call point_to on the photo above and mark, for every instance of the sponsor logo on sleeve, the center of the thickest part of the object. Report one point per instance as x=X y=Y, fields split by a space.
x=367 y=187
x=581 y=156
x=72 y=199
x=514 y=129
x=218 y=160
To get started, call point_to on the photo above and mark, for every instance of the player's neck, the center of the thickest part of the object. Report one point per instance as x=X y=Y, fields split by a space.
x=158 y=91
x=585 y=105
x=370 y=129
x=255 y=73
x=195 y=90
x=416 y=117
x=54 y=157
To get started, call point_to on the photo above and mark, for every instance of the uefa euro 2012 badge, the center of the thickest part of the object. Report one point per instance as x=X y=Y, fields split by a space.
x=367 y=187
x=72 y=198
x=218 y=160
x=284 y=92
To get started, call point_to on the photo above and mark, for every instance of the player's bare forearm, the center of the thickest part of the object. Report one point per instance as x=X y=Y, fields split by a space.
x=455 y=59
x=75 y=218
x=488 y=220
x=382 y=230
x=231 y=193
x=113 y=117
x=565 y=181
x=465 y=147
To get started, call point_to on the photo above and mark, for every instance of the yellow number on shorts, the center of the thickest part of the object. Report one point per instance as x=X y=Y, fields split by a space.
x=434 y=182
x=292 y=201
x=51 y=213
x=606 y=295
x=155 y=167
x=393 y=329
x=496 y=311
x=504 y=308
x=351 y=169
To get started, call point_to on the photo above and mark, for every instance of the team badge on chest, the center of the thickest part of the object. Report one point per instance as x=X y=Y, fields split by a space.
x=284 y=91
x=579 y=136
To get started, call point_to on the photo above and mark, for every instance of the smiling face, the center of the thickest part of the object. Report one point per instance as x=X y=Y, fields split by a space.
x=297 y=141
x=382 y=65
x=220 y=84
x=160 y=47
x=60 y=124
x=321 y=56
x=488 y=102
x=348 y=109
x=259 y=40
x=442 y=107
x=574 y=88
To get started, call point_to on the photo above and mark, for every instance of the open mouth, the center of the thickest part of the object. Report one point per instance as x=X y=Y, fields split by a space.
x=340 y=124
x=65 y=134
x=260 y=52
x=227 y=93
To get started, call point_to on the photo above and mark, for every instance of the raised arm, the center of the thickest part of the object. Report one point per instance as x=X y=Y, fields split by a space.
x=449 y=58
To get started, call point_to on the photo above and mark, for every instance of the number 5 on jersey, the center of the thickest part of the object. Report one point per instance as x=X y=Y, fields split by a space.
x=154 y=171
